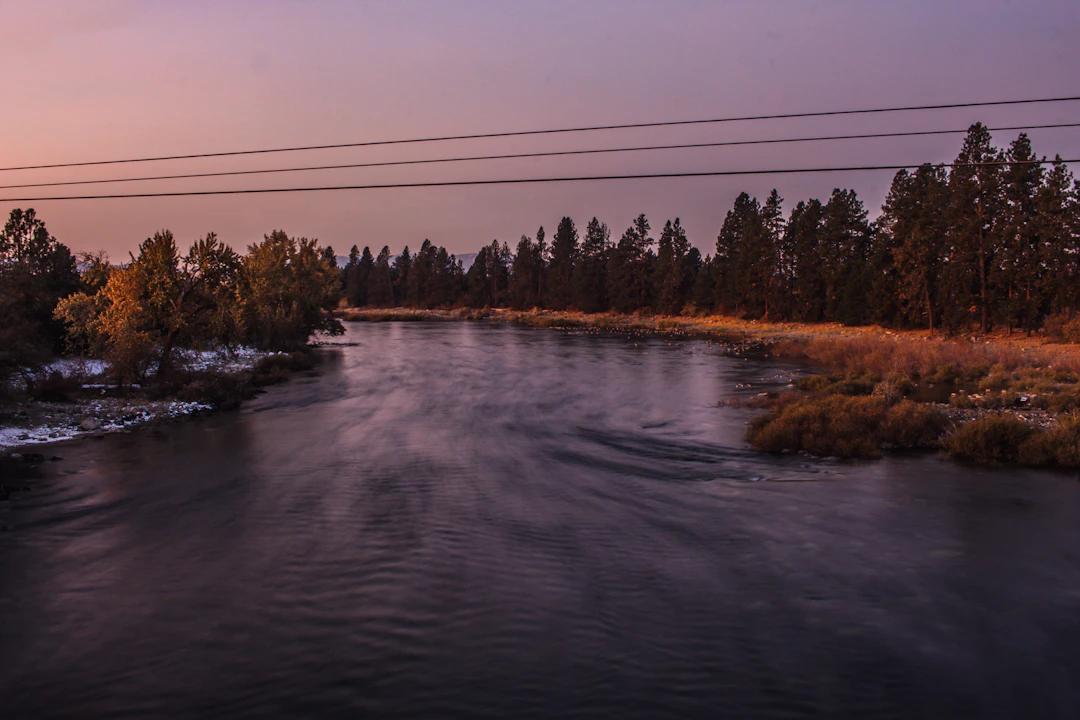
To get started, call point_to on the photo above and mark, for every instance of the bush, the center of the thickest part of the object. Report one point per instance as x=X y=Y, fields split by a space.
x=222 y=390
x=53 y=387
x=990 y=440
x=1058 y=446
x=913 y=425
x=832 y=425
x=277 y=368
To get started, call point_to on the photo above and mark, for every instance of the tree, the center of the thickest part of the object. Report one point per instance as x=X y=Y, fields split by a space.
x=1057 y=224
x=913 y=227
x=590 y=273
x=286 y=292
x=802 y=237
x=628 y=270
x=523 y=275
x=564 y=251
x=1017 y=274
x=159 y=302
x=972 y=238
x=738 y=258
x=380 y=289
x=673 y=274
x=845 y=242
x=35 y=272
x=399 y=275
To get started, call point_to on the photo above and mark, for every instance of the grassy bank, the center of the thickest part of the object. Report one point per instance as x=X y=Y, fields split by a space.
x=996 y=399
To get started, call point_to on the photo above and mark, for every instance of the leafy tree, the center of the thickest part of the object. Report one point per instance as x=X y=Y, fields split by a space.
x=286 y=292
x=159 y=302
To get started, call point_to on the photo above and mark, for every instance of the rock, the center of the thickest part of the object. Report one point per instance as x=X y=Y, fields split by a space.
x=88 y=424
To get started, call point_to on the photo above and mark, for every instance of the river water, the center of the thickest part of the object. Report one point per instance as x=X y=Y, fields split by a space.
x=481 y=520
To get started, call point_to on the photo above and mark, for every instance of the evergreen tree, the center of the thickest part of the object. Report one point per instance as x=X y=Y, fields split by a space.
x=1056 y=221
x=380 y=289
x=523 y=275
x=738 y=257
x=564 y=250
x=845 y=244
x=1017 y=274
x=703 y=294
x=399 y=276
x=627 y=277
x=912 y=227
x=590 y=273
x=772 y=277
x=803 y=238
x=972 y=239
x=674 y=272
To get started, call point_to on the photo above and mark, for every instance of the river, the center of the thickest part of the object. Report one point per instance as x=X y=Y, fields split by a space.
x=481 y=520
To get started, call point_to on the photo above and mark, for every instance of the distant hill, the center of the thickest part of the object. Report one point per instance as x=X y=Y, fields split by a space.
x=465 y=258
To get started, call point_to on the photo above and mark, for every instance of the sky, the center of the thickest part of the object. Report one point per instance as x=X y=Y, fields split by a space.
x=111 y=78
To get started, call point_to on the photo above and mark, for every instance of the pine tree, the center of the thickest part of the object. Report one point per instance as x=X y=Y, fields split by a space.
x=564 y=250
x=1017 y=275
x=772 y=277
x=912 y=227
x=523 y=272
x=399 y=275
x=380 y=289
x=674 y=271
x=803 y=238
x=627 y=277
x=738 y=257
x=590 y=273
x=1056 y=220
x=844 y=257
x=972 y=239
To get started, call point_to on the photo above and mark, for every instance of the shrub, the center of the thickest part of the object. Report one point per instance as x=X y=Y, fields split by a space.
x=53 y=387
x=989 y=440
x=913 y=425
x=222 y=390
x=1058 y=446
x=277 y=368
x=832 y=425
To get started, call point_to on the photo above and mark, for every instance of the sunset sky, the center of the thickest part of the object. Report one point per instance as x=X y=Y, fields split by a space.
x=104 y=79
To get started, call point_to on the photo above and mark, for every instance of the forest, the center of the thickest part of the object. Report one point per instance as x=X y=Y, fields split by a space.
x=989 y=241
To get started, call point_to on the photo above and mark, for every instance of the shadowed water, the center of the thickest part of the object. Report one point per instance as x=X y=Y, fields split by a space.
x=473 y=520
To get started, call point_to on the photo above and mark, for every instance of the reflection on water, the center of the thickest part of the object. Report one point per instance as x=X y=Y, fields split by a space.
x=481 y=520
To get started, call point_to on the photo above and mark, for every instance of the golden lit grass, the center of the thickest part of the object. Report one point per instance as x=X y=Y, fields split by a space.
x=846 y=426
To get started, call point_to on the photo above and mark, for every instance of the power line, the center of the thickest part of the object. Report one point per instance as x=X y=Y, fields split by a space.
x=550 y=131
x=554 y=153
x=519 y=181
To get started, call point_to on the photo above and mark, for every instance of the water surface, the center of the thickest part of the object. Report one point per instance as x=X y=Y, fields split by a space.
x=480 y=520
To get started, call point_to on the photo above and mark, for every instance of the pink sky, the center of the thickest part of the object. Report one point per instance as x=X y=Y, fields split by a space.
x=93 y=80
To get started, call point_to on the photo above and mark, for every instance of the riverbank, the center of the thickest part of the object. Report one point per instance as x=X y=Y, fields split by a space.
x=74 y=398
x=996 y=399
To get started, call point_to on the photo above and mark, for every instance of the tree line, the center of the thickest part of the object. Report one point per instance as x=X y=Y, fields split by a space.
x=993 y=241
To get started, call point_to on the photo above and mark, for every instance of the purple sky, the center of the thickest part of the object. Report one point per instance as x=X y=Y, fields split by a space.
x=113 y=78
